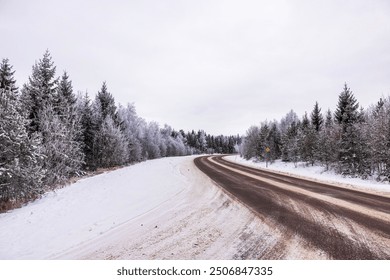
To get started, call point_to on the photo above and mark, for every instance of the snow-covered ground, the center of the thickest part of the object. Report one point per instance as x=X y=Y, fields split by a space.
x=314 y=172
x=159 y=209
x=88 y=208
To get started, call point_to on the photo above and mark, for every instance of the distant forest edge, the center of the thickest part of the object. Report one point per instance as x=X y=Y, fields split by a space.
x=48 y=134
x=352 y=140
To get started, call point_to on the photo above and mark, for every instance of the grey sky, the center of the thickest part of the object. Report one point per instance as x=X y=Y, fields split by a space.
x=220 y=66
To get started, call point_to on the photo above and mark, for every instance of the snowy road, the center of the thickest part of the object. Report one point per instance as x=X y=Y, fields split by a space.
x=342 y=223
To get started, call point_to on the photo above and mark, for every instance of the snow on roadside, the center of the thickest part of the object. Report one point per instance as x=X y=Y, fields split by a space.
x=314 y=172
x=88 y=208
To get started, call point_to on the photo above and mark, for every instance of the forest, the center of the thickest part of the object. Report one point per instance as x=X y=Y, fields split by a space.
x=352 y=140
x=49 y=134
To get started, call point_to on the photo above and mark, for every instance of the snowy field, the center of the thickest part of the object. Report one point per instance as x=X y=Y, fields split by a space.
x=316 y=173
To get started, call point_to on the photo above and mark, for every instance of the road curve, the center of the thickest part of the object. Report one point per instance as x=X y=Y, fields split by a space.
x=343 y=223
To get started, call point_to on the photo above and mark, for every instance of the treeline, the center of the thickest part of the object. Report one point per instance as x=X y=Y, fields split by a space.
x=49 y=134
x=351 y=140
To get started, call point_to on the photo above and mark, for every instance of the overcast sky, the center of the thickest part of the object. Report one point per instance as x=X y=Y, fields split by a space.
x=220 y=66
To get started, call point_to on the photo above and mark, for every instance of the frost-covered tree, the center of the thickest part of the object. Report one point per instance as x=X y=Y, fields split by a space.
x=251 y=142
x=289 y=136
x=110 y=147
x=201 y=141
x=40 y=91
x=88 y=130
x=347 y=116
x=7 y=80
x=20 y=157
x=131 y=126
x=377 y=132
x=347 y=111
x=290 y=143
x=106 y=103
x=63 y=153
x=65 y=99
x=152 y=141
x=327 y=142
x=173 y=141
x=307 y=140
x=110 y=144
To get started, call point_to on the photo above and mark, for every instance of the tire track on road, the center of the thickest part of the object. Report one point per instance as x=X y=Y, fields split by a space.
x=269 y=200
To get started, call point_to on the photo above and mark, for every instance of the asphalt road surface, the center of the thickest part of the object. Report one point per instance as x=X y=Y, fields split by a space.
x=342 y=222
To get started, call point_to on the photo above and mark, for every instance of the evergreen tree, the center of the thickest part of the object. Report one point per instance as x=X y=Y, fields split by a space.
x=111 y=146
x=106 y=103
x=40 y=91
x=65 y=99
x=347 y=108
x=62 y=150
x=307 y=140
x=349 y=145
x=7 y=81
x=327 y=147
x=274 y=140
x=88 y=130
x=316 y=118
x=20 y=158
x=377 y=132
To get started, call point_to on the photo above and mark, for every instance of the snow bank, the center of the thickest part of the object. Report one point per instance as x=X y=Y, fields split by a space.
x=314 y=172
x=88 y=208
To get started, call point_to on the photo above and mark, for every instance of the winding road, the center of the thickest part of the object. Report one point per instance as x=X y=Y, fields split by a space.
x=342 y=222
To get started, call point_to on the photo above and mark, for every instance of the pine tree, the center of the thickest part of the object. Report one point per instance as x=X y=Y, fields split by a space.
x=111 y=146
x=62 y=150
x=377 y=134
x=347 y=117
x=88 y=131
x=307 y=140
x=40 y=91
x=7 y=81
x=65 y=98
x=20 y=158
x=106 y=103
x=327 y=147
x=316 y=118
x=347 y=108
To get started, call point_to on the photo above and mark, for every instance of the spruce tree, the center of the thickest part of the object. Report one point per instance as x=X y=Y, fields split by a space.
x=7 y=81
x=316 y=118
x=60 y=145
x=106 y=103
x=307 y=140
x=65 y=98
x=347 y=108
x=89 y=129
x=110 y=144
x=347 y=117
x=327 y=143
x=40 y=91
x=20 y=157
